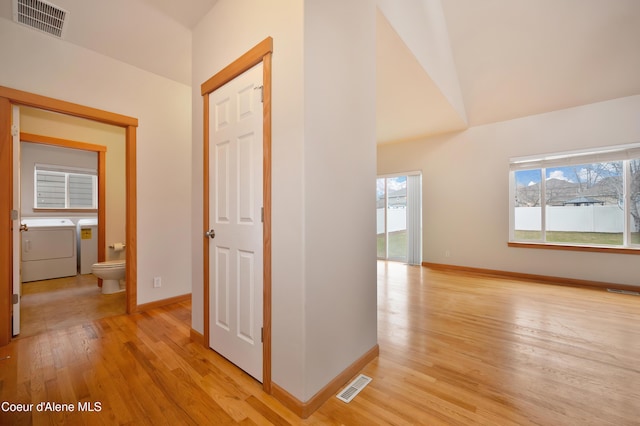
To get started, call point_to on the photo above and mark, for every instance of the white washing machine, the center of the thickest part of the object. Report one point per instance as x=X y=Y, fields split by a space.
x=48 y=249
x=87 y=231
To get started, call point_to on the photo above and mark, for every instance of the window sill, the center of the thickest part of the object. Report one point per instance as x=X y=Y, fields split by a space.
x=550 y=246
x=40 y=210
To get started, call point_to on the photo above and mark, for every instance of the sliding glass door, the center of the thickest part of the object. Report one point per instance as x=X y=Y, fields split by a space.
x=399 y=218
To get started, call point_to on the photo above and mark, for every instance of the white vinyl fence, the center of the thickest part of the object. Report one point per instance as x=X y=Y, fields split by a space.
x=572 y=218
x=396 y=219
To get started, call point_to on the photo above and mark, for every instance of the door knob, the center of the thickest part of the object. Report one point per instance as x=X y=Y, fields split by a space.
x=210 y=233
x=24 y=227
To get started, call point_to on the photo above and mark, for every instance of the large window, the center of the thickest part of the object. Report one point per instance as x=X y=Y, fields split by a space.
x=583 y=198
x=59 y=187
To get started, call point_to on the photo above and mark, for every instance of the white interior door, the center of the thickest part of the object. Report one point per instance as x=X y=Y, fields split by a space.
x=17 y=282
x=235 y=206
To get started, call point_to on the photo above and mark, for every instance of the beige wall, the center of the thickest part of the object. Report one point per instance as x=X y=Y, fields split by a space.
x=229 y=30
x=46 y=123
x=465 y=188
x=41 y=64
x=339 y=186
x=323 y=269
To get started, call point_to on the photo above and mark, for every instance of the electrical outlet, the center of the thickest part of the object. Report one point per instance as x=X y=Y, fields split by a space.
x=447 y=253
x=157 y=282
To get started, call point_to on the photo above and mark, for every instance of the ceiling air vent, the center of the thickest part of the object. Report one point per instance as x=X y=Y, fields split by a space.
x=40 y=15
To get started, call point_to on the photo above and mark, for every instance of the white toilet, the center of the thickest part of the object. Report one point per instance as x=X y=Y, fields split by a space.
x=112 y=273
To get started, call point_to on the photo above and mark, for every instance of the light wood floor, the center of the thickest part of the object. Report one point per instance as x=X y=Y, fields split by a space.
x=63 y=302
x=455 y=349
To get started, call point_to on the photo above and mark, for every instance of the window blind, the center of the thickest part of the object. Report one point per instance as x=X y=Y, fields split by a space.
x=64 y=187
x=414 y=219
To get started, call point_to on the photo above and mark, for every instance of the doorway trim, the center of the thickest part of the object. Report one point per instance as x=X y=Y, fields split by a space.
x=10 y=97
x=262 y=52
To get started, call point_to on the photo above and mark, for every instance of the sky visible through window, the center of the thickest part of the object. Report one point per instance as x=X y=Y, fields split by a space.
x=569 y=174
x=393 y=184
x=527 y=177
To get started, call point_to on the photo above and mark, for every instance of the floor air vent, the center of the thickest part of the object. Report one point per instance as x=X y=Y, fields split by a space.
x=353 y=388
x=40 y=15
x=615 y=290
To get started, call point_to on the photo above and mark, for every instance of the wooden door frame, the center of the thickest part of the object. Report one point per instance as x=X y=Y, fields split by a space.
x=10 y=97
x=262 y=52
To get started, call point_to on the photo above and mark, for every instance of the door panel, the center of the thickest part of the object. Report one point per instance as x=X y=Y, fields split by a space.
x=236 y=257
x=222 y=178
x=246 y=288
x=221 y=288
x=246 y=180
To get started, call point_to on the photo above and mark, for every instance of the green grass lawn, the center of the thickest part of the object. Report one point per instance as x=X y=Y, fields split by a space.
x=397 y=245
x=587 y=238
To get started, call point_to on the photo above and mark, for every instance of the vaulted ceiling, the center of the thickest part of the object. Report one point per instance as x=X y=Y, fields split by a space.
x=513 y=58
x=517 y=58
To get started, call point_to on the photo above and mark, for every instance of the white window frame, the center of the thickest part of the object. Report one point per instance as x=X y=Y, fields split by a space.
x=65 y=171
x=623 y=153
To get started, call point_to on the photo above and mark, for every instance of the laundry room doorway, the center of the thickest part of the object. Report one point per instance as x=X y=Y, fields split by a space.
x=8 y=99
x=64 y=180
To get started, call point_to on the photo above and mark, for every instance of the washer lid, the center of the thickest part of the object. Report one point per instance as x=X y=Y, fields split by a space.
x=49 y=222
